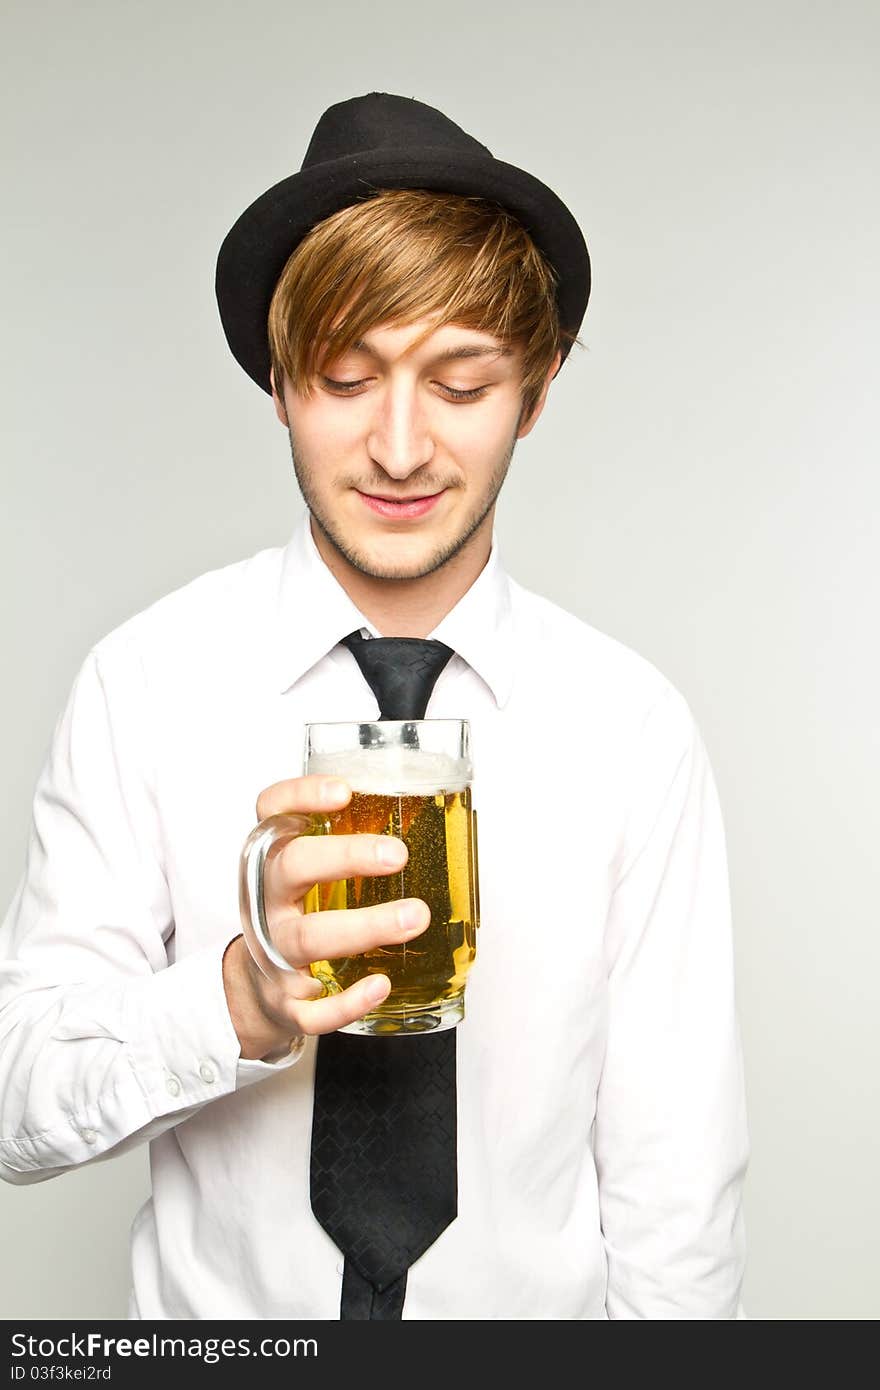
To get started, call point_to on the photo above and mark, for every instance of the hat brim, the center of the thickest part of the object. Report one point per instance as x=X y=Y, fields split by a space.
x=257 y=247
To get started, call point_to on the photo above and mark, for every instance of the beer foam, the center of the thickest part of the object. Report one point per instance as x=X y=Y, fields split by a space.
x=394 y=771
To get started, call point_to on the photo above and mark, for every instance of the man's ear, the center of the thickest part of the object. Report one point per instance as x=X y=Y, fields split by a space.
x=529 y=424
x=280 y=407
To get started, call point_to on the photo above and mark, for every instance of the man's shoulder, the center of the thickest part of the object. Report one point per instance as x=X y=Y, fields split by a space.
x=582 y=662
x=205 y=610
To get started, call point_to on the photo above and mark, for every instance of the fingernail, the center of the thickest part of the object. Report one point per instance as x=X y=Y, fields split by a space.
x=332 y=791
x=376 y=988
x=391 y=853
x=411 y=917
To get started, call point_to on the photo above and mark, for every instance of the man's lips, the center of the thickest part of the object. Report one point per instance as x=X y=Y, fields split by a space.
x=404 y=508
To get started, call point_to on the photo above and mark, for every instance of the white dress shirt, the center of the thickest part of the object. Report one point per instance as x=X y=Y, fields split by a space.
x=602 y=1124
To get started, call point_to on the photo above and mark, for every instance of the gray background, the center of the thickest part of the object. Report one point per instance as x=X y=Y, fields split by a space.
x=703 y=484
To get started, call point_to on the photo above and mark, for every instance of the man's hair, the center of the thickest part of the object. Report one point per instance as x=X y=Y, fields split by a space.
x=408 y=254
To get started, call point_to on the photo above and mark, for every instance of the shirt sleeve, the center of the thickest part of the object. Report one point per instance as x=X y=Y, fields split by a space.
x=105 y=1040
x=670 y=1137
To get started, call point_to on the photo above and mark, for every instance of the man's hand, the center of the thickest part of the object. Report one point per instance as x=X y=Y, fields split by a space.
x=270 y=1014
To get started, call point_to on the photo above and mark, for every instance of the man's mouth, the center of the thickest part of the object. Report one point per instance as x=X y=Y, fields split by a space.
x=400 y=508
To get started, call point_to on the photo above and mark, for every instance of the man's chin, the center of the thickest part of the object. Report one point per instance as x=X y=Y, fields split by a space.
x=376 y=563
x=394 y=557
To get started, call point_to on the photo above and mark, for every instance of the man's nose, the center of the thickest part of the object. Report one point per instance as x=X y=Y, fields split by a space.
x=400 y=440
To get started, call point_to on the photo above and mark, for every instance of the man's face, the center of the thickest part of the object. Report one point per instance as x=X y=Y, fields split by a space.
x=398 y=468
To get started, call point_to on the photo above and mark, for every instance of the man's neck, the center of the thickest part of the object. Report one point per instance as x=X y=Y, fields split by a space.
x=408 y=607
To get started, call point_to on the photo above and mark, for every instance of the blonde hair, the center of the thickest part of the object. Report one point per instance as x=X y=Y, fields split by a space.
x=407 y=254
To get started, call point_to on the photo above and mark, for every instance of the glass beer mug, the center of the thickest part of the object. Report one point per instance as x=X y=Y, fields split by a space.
x=411 y=779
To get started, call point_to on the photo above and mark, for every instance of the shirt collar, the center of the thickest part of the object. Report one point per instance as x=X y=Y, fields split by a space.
x=480 y=627
x=315 y=613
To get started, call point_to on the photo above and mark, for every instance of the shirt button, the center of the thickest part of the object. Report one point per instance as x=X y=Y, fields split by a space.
x=89 y=1135
x=206 y=1073
x=172 y=1086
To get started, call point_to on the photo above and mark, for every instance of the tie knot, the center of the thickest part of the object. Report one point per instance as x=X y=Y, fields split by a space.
x=400 y=671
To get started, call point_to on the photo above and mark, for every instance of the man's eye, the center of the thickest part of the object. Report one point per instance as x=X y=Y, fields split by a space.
x=473 y=395
x=341 y=385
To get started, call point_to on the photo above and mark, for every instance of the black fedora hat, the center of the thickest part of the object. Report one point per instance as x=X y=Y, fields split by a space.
x=360 y=146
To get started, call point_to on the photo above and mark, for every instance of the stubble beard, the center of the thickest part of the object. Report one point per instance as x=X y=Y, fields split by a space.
x=444 y=552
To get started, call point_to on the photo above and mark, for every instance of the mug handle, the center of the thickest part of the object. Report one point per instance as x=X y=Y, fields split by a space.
x=274 y=830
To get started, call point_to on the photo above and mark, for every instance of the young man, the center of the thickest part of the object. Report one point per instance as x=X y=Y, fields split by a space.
x=407 y=299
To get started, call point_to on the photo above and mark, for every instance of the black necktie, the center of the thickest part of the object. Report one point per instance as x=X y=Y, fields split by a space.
x=384 y=1164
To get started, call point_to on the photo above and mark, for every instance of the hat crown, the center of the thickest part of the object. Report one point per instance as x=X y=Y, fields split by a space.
x=382 y=121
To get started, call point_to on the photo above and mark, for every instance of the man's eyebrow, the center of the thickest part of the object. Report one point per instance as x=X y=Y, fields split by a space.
x=448 y=354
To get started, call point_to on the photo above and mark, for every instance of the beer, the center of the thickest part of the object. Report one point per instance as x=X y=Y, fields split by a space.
x=438 y=826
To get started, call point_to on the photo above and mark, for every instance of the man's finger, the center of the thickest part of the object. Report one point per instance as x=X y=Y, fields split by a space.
x=308 y=794
x=336 y=1010
x=311 y=859
x=305 y=937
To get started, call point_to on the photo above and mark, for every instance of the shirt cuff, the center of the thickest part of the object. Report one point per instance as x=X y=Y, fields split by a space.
x=186 y=1051
x=249 y=1070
